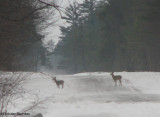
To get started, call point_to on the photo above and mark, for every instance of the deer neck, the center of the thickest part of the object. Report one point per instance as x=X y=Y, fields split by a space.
x=55 y=81
x=113 y=76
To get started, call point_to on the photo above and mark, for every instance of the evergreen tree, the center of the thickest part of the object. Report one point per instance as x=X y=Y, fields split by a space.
x=21 y=47
x=116 y=35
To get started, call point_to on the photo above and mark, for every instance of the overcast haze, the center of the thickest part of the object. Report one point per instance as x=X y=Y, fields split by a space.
x=53 y=33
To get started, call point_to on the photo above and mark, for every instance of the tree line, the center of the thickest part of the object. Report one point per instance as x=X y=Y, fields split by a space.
x=114 y=35
x=21 y=44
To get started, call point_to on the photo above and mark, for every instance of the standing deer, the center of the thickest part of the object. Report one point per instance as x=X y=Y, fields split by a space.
x=58 y=82
x=115 y=78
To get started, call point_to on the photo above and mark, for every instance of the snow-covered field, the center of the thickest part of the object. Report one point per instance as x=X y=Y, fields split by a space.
x=93 y=95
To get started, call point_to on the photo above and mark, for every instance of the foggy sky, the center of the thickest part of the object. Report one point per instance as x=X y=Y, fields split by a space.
x=53 y=32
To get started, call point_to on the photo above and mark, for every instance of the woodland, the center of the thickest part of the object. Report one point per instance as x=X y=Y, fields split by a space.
x=114 y=35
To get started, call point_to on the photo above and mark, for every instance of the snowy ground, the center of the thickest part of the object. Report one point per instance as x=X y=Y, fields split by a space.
x=94 y=95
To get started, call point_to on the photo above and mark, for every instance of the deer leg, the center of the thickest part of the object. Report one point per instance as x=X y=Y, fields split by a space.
x=62 y=86
x=115 y=82
x=120 y=83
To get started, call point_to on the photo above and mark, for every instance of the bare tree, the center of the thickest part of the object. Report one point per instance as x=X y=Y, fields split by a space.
x=10 y=89
x=20 y=22
x=37 y=4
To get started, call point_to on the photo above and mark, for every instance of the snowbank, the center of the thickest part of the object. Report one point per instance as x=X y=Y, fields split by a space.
x=94 y=95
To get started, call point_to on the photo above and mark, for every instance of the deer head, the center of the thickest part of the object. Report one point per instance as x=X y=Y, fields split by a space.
x=111 y=73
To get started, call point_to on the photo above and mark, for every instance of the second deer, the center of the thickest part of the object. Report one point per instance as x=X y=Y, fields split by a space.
x=115 y=78
x=58 y=82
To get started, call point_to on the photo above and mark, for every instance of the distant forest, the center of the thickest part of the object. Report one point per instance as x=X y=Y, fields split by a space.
x=114 y=35
x=21 y=44
x=102 y=35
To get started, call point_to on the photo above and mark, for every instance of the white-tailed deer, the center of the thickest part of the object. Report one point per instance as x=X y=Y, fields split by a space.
x=115 y=78
x=58 y=82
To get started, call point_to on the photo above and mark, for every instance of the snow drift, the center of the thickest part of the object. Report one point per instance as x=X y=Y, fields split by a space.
x=94 y=95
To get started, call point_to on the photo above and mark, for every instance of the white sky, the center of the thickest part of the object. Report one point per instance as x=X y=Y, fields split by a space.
x=53 y=32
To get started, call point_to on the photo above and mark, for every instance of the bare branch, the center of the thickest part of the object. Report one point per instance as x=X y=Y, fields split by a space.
x=53 y=5
x=46 y=5
x=23 y=18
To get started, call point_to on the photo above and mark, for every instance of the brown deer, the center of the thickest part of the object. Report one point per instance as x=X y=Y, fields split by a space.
x=58 y=82
x=115 y=78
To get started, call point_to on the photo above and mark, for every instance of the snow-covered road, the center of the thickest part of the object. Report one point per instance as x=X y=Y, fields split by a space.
x=94 y=95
